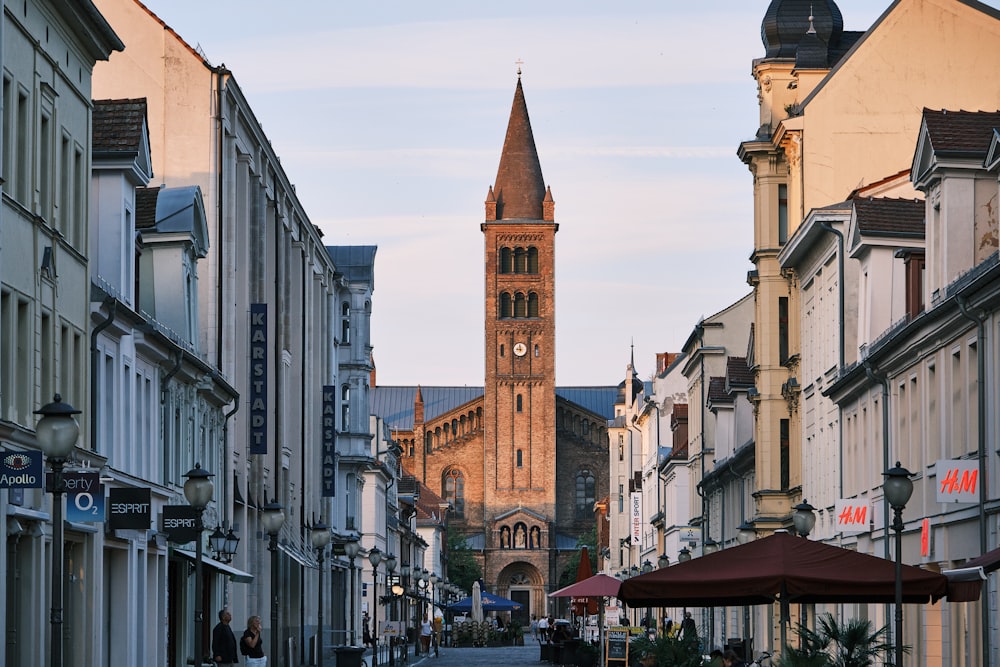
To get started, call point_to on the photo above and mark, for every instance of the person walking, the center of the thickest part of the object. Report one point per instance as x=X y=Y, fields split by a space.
x=425 y=636
x=224 y=648
x=251 y=645
x=543 y=630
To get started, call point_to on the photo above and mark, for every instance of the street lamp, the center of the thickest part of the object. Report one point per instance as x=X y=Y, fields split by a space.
x=684 y=555
x=56 y=434
x=745 y=532
x=198 y=490
x=352 y=548
x=804 y=519
x=375 y=557
x=710 y=547
x=320 y=538
x=897 y=488
x=223 y=544
x=390 y=568
x=272 y=518
x=663 y=561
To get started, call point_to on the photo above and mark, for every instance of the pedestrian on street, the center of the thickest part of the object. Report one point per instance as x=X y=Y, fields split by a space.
x=543 y=630
x=224 y=651
x=425 y=636
x=251 y=645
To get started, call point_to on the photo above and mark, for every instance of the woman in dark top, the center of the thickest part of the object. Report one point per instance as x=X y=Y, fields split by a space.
x=251 y=644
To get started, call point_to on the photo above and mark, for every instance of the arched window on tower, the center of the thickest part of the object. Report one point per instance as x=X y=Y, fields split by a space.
x=532 y=304
x=453 y=490
x=532 y=260
x=520 y=403
x=584 y=494
x=520 y=260
x=520 y=305
x=506 y=308
x=428 y=443
x=506 y=260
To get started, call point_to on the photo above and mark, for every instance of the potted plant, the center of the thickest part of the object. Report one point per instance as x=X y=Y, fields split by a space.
x=586 y=655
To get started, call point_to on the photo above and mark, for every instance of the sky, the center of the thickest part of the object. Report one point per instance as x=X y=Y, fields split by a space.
x=389 y=117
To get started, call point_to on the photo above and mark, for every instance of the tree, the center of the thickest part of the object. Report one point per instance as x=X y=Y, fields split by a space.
x=852 y=643
x=589 y=540
x=463 y=570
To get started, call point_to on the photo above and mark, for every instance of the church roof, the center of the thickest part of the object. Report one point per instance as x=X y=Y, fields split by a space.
x=395 y=404
x=519 y=188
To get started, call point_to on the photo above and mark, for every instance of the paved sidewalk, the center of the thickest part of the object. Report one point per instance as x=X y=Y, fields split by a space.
x=507 y=656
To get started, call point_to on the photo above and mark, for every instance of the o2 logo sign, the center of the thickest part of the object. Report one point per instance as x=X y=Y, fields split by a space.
x=84 y=497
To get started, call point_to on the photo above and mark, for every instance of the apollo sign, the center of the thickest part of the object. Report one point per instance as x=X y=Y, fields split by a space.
x=21 y=470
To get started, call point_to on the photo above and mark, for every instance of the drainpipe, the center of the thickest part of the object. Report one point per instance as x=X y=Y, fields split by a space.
x=112 y=305
x=226 y=452
x=885 y=460
x=220 y=162
x=981 y=425
x=840 y=306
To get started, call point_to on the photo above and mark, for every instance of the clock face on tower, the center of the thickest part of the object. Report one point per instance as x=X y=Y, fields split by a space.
x=520 y=349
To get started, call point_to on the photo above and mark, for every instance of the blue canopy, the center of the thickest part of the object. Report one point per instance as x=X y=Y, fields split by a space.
x=490 y=603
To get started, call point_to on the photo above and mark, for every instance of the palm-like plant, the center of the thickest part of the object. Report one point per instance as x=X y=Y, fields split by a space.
x=834 y=644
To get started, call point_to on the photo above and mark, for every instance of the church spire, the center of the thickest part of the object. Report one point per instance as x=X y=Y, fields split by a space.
x=520 y=188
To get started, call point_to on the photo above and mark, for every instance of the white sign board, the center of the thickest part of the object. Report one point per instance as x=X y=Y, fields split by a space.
x=854 y=516
x=636 y=504
x=957 y=481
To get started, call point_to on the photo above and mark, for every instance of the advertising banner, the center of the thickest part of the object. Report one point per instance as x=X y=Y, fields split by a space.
x=129 y=508
x=21 y=470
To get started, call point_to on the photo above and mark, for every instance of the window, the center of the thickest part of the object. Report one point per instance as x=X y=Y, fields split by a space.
x=536 y=351
x=785 y=456
x=782 y=329
x=520 y=459
x=351 y=504
x=782 y=214
x=584 y=494
x=532 y=260
x=428 y=443
x=532 y=304
x=453 y=490
x=520 y=260
x=506 y=261
x=345 y=408
x=345 y=323
x=520 y=305
x=506 y=307
x=520 y=403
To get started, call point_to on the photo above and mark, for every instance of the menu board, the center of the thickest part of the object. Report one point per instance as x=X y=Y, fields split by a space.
x=617 y=645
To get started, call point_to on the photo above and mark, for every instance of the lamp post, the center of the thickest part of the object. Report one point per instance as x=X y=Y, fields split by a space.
x=223 y=544
x=897 y=488
x=804 y=518
x=422 y=577
x=320 y=538
x=56 y=434
x=352 y=548
x=390 y=569
x=375 y=557
x=272 y=517
x=198 y=490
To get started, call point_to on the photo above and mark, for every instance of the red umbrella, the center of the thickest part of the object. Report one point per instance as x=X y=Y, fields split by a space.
x=781 y=566
x=599 y=586
x=581 y=604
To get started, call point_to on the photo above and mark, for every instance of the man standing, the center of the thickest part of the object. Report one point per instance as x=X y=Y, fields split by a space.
x=224 y=641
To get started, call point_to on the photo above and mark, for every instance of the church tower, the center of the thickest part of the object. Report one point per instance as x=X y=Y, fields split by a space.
x=519 y=389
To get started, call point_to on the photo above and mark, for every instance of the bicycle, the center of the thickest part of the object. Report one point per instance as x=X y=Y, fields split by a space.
x=761 y=659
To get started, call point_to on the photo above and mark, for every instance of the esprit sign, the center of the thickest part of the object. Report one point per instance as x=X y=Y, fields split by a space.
x=328 y=465
x=957 y=481
x=853 y=516
x=128 y=508
x=258 y=378
x=179 y=523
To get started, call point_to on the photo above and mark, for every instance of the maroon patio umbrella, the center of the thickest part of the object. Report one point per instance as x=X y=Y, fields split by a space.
x=583 y=605
x=781 y=567
x=599 y=586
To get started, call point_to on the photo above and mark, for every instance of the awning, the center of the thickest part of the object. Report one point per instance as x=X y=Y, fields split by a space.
x=965 y=583
x=989 y=561
x=296 y=555
x=235 y=574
